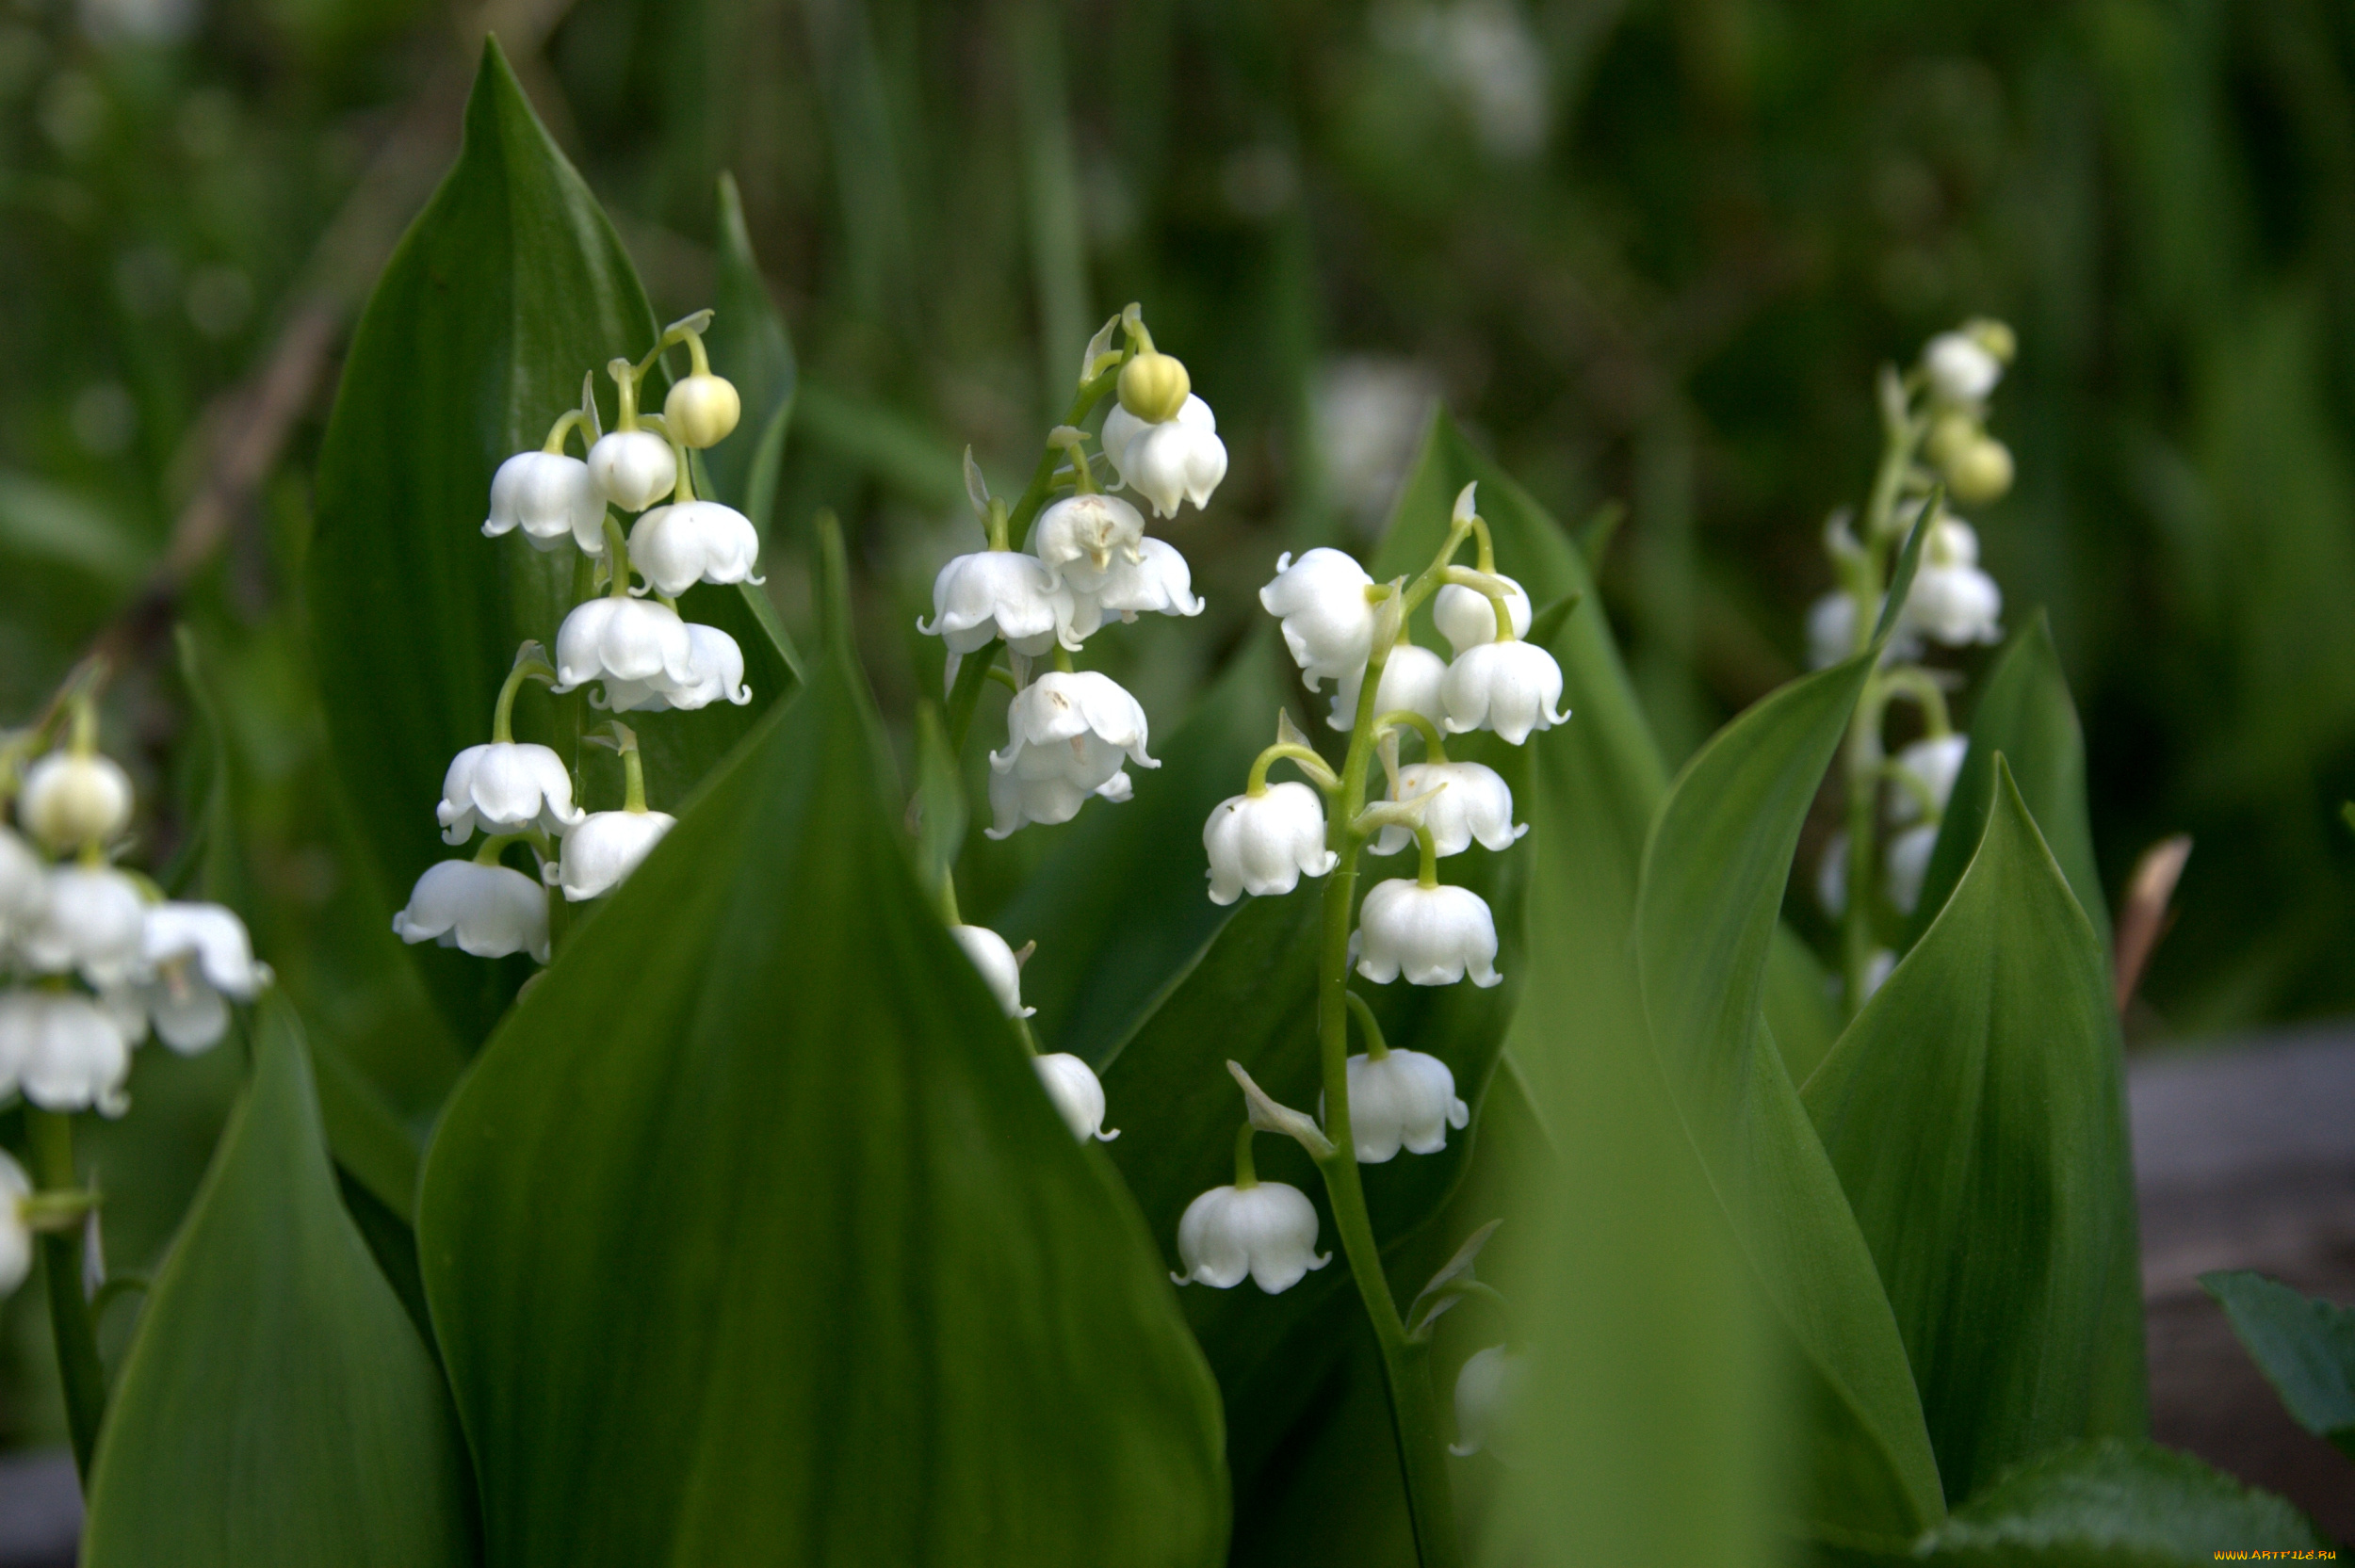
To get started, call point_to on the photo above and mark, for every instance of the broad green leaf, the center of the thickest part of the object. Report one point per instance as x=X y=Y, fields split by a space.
x=753 y=1238
x=510 y=285
x=1713 y=876
x=2305 y=1346
x=2114 y=1504
x=749 y=344
x=1975 y=1111
x=277 y=1406
x=2024 y=712
x=938 y=807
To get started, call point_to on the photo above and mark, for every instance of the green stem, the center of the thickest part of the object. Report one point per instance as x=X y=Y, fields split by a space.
x=1376 y=1047
x=972 y=675
x=530 y=666
x=1913 y=681
x=1034 y=498
x=1314 y=766
x=617 y=559
x=1434 y=744
x=78 y=1367
x=1246 y=1174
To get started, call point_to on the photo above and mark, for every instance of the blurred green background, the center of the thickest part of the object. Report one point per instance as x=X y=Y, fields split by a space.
x=1649 y=252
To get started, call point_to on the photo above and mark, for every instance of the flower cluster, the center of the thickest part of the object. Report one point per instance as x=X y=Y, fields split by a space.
x=624 y=642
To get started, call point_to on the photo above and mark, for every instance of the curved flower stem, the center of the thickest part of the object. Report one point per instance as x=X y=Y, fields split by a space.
x=1041 y=483
x=70 y=1321
x=617 y=555
x=1376 y=1047
x=1312 y=765
x=531 y=664
x=1434 y=744
x=1911 y=680
x=971 y=676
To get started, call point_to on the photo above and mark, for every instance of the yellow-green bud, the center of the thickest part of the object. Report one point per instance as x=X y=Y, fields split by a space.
x=1994 y=336
x=1951 y=434
x=1153 y=386
x=1980 y=473
x=71 y=799
x=702 y=409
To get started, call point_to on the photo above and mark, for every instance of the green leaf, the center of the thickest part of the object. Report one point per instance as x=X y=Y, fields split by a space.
x=940 y=805
x=2024 y=712
x=2113 y=1504
x=1713 y=884
x=750 y=346
x=2305 y=1346
x=1975 y=1111
x=277 y=1405
x=510 y=285
x=753 y=1238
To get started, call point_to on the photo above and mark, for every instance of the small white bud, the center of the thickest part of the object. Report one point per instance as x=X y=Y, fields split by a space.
x=1952 y=602
x=1434 y=935
x=1411 y=677
x=1468 y=618
x=1263 y=845
x=1001 y=967
x=1959 y=369
x=1904 y=862
x=72 y=798
x=599 y=854
x=633 y=469
x=1936 y=762
x=1267 y=1230
x=1077 y=1093
x=1488 y=1400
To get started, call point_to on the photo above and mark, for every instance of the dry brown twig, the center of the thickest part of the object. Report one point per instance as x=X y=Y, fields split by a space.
x=2144 y=916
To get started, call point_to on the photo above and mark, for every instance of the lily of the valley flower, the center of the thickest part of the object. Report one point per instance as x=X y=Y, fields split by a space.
x=1487 y=1396
x=1510 y=687
x=1001 y=967
x=93 y=925
x=1468 y=618
x=1328 y=620
x=715 y=673
x=1267 y=1230
x=1157 y=582
x=489 y=911
x=676 y=547
x=1904 y=862
x=16 y=1236
x=66 y=1051
x=1167 y=461
x=199 y=960
x=503 y=785
x=995 y=594
x=1067 y=734
x=599 y=854
x=633 y=469
x=1463 y=801
x=1402 y=1099
x=1411 y=678
x=1952 y=601
x=551 y=497
x=1081 y=536
x=71 y=797
x=1264 y=844
x=631 y=640
x=1960 y=369
x=1434 y=935
x=1077 y=1093
x=1934 y=762
x=24 y=886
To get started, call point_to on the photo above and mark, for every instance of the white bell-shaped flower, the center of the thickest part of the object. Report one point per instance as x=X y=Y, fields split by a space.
x=1171 y=461
x=1510 y=687
x=1001 y=968
x=1067 y=734
x=676 y=547
x=16 y=1236
x=1488 y=1400
x=505 y=786
x=198 y=960
x=600 y=853
x=633 y=469
x=1079 y=538
x=1463 y=803
x=1959 y=369
x=1411 y=678
x=993 y=594
x=489 y=911
x=1952 y=601
x=1158 y=582
x=1328 y=620
x=1904 y=862
x=93 y=925
x=66 y=1051
x=1264 y=844
x=551 y=497
x=1078 y=1096
x=633 y=641
x=1267 y=1230
x=1433 y=935
x=24 y=887
x=71 y=799
x=1468 y=618
x=1830 y=630
x=715 y=672
x=1406 y=1099
x=1934 y=762
x=1832 y=876
x=1877 y=968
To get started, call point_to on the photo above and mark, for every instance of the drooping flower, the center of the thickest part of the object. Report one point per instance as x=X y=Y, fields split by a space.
x=1468 y=618
x=676 y=547
x=199 y=960
x=1411 y=678
x=633 y=469
x=1934 y=762
x=504 y=787
x=1067 y=734
x=1488 y=1397
x=994 y=594
x=551 y=497
x=66 y=1051
x=93 y=925
x=1960 y=369
x=24 y=886
x=1904 y=862
x=1405 y=1099
x=702 y=408
x=1000 y=966
x=1077 y=1093
x=1830 y=630
x=623 y=640
x=1328 y=620
x=1079 y=538
x=1267 y=1230
x=1952 y=601
x=73 y=798
x=601 y=852
x=1158 y=582
x=1169 y=461
x=489 y=911
x=1434 y=935
x=1510 y=687
x=16 y=1236
x=715 y=667
x=1464 y=801
x=1264 y=844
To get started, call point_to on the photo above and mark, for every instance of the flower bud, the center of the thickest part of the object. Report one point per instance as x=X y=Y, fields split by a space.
x=1936 y=763
x=1410 y=682
x=489 y=911
x=600 y=853
x=1994 y=336
x=1952 y=602
x=1960 y=368
x=1434 y=935
x=1264 y=844
x=1001 y=970
x=702 y=409
x=72 y=798
x=1510 y=687
x=1405 y=1099
x=1952 y=433
x=1077 y=1093
x=1154 y=387
x=1267 y=1230
x=1488 y=1397
x=1980 y=473
x=1328 y=620
x=633 y=469
x=1905 y=862
x=1468 y=618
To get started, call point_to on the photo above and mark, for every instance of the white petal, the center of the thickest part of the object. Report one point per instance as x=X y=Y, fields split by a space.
x=633 y=468
x=1077 y=1093
x=600 y=853
x=1000 y=971
x=1327 y=623
x=1468 y=618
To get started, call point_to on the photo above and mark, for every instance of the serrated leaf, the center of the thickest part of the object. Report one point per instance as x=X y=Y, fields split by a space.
x=2305 y=1346
x=507 y=288
x=2114 y=1504
x=750 y=346
x=1976 y=1112
x=277 y=1406
x=751 y=1237
x=1714 y=871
